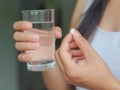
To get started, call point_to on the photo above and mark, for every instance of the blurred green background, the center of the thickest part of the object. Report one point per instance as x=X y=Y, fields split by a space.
x=13 y=74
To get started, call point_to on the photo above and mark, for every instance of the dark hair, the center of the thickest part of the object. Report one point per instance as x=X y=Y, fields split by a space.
x=92 y=17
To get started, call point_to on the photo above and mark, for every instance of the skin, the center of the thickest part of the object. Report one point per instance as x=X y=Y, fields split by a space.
x=80 y=5
x=32 y=44
x=69 y=72
x=111 y=19
x=27 y=41
x=91 y=73
x=110 y=23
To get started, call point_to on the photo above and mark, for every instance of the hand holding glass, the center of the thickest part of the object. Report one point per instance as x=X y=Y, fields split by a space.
x=43 y=23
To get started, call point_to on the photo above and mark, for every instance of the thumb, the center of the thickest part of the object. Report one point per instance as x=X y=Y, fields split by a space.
x=83 y=44
x=58 y=32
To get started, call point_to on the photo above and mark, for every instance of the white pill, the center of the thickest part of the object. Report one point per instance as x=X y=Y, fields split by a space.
x=72 y=30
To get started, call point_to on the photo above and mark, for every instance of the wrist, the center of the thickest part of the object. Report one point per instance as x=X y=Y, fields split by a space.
x=118 y=85
x=115 y=85
x=108 y=85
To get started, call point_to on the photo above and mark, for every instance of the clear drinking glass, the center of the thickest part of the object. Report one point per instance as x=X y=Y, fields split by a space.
x=43 y=22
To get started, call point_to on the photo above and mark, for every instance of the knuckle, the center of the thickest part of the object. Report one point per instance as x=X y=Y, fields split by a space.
x=70 y=74
x=36 y=45
x=25 y=36
x=28 y=37
x=32 y=46
x=73 y=76
x=56 y=52
x=66 y=78
x=23 y=57
x=28 y=58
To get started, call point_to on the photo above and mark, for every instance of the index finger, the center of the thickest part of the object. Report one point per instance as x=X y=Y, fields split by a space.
x=84 y=45
x=22 y=25
x=65 y=54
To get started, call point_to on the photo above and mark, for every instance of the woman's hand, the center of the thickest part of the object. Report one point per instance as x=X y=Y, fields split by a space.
x=28 y=41
x=86 y=69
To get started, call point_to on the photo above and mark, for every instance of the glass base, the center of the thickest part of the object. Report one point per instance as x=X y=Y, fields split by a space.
x=41 y=66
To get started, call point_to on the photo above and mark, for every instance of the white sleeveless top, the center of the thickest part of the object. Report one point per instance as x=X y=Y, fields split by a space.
x=107 y=45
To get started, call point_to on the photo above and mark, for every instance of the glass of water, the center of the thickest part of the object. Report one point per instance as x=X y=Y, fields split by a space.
x=43 y=23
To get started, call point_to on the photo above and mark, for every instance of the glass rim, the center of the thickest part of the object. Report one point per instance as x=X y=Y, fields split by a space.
x=39 y=10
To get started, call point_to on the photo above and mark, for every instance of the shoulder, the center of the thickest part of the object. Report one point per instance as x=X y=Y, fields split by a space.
x=80 y=8
x=89 y=3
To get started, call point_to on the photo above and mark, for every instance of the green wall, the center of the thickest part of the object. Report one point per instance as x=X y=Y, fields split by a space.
x=9 y=10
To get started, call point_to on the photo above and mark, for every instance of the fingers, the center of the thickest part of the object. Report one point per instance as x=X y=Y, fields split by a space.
x=26 y=37
x=73 y=45
x=82 y=43
x=23 y=46
x=64 y=52
x=59 y=62
x=25 y=57
x=58 y=32
x=25 y=25
x=22 y=25
x=76 y=53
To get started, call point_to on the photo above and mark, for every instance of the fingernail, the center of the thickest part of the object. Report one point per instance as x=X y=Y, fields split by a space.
x=28 y=57
x=76 y=34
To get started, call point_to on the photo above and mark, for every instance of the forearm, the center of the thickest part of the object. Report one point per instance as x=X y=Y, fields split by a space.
x=54 y=81
x=115 y=85
x=111 y=85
